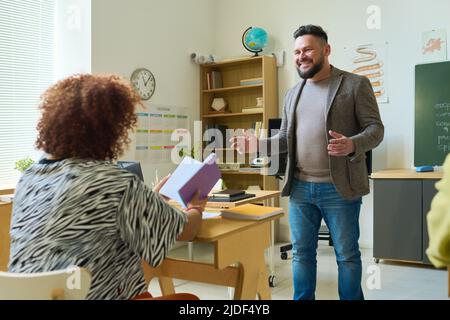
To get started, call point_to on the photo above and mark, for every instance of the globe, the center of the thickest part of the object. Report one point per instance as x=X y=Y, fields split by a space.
x=254 y=39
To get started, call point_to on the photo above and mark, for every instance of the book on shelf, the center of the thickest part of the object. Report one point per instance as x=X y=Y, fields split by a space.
x=216 y=77
x=252 y=109
x=235 y=198
x=227 y=193
x=251 y=212
x=251 y=82
x=208 y=81
x=213 y=80
x=257 y=126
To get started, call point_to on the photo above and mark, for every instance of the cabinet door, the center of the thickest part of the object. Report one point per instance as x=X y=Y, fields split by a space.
x=5 y=221
x=397 y=233
x=428 y=193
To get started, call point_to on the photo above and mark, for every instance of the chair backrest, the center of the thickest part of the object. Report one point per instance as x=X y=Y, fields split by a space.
x=69 y=284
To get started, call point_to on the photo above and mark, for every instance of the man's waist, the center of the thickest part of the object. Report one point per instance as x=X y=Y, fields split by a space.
x=313 y=174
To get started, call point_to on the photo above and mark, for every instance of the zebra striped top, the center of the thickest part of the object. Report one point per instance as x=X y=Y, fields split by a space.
x=94 y=215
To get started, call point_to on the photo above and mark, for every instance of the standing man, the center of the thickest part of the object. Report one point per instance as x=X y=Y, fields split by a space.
x=330 y=120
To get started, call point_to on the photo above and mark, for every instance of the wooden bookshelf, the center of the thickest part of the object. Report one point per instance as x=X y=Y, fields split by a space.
x=238 y=96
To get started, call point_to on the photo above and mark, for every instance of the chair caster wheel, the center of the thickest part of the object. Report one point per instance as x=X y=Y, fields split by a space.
x=272 y=281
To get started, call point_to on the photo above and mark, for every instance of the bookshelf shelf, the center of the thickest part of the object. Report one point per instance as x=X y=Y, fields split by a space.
x=240 y=172
x=237 y=114
x=231 y=76
x=235 y=88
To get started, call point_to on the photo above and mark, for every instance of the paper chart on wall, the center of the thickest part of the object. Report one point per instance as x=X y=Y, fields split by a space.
x=155 y=127
x=434 y=45
x=370 y=60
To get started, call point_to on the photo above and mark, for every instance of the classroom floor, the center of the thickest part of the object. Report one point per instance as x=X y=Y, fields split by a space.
x=399 y=281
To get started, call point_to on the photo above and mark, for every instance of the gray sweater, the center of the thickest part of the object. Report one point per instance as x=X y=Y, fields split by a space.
x=311 y=133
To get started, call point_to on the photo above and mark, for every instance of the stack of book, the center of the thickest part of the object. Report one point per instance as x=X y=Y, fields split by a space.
x=251 y=212
x=229 y=195
x=251 y=82
x=253 y=109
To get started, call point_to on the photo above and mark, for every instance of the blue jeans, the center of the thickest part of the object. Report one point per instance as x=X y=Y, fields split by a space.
x=308 y=204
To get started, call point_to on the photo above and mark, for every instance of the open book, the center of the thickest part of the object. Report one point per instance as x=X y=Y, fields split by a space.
x=191 y=176
x=251 y=212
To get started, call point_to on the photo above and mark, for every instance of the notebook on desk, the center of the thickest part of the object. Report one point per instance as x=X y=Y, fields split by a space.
x=251 y=212
x=234 y=198
x=227 y=193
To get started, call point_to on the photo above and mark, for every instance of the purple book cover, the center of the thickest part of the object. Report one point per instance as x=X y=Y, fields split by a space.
x=203 y=180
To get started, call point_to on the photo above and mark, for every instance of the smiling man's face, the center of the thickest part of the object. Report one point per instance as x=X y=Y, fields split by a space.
x=310 y=53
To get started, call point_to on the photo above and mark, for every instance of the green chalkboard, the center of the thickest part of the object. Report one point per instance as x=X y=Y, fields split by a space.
x=432 y=113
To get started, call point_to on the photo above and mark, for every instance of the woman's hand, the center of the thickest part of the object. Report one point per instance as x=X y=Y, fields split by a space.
x=159 y=185
x=197 y=203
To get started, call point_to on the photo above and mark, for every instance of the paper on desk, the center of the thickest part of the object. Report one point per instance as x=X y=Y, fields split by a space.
x=209 y=215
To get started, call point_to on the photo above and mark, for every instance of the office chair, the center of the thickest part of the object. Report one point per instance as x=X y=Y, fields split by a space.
x=67 y=284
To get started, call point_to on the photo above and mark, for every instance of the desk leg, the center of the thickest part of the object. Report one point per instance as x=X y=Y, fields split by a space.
x=165 y=283
x=271 y=249
x=191 y=251
x=253 y=278
x=263 y=290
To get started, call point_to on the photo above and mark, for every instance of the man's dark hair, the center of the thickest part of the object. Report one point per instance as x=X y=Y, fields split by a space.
x=313 y=30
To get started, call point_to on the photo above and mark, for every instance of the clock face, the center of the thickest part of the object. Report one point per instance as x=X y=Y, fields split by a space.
x=144 y=83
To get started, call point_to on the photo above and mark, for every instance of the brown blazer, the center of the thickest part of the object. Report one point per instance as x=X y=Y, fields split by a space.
x=352 y=110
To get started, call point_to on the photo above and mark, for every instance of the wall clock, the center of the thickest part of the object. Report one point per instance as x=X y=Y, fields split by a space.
x=143 y=82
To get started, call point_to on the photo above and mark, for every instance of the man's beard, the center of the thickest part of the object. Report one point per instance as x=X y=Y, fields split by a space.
x=311 y=72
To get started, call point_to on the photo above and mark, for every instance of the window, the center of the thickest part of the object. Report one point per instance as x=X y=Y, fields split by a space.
x=26 y=70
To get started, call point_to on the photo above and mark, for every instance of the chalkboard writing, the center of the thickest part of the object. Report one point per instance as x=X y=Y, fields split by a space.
x=432 y=113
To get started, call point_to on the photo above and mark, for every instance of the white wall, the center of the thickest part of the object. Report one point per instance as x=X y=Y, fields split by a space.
x=402 y=22
x=73 y=37
x=158 y=35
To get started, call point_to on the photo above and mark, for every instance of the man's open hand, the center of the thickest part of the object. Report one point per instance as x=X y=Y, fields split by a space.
x=340 y=146
x=247 y=143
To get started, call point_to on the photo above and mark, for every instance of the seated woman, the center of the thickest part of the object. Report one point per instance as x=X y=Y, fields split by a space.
x=76 y=208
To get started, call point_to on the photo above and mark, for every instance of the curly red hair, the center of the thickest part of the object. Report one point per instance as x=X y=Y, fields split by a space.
x=87 y=117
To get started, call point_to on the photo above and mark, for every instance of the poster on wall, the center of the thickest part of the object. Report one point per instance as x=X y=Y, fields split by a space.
x=155 y=127
x=369 y=60
x=434 y=45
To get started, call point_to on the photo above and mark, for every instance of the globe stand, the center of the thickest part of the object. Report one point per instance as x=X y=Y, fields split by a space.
x=255 y=50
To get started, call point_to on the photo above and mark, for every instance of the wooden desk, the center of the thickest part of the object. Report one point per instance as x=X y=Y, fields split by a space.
x=235 y=241
x=5 y=221
x=268 y=199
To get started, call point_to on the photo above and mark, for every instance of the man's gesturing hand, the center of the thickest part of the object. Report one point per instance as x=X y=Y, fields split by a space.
x=247 y=143
x=340 y=146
